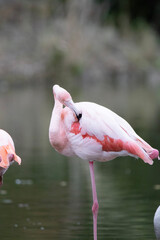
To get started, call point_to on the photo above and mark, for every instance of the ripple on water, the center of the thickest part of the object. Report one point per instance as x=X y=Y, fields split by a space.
x=7 y=201
x=23 y=182
x=23 y=205
x=3 y=192
x=156 y=187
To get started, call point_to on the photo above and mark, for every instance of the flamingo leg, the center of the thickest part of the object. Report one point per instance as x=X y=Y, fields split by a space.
x=95 y=200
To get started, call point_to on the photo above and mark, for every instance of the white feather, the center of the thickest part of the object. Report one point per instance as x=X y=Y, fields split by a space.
x=96 y=121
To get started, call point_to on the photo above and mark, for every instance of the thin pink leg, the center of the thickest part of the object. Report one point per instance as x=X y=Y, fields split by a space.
x=95 y=200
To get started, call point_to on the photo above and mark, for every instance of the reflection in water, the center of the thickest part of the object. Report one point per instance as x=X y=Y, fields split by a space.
x=49 y=196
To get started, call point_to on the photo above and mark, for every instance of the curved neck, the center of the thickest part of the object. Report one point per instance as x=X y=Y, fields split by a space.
x=55 y=120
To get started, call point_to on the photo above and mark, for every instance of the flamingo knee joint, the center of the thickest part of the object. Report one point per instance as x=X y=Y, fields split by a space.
x=95 y=207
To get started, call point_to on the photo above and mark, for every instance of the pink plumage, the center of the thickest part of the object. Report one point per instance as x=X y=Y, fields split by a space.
x=7 y=153
x=93 y=133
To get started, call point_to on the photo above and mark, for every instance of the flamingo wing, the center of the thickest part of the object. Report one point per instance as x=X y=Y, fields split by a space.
x=101 y=133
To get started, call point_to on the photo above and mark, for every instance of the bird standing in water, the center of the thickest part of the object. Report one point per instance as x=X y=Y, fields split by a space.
x=93 y=133
x=7 y=153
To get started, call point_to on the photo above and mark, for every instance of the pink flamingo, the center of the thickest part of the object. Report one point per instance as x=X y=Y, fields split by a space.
x=93 y=133
x=7 y=153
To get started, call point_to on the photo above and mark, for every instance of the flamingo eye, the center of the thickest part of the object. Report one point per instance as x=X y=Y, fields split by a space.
x=79 y=116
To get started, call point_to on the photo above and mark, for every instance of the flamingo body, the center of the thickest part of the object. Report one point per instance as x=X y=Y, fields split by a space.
x=99 y=135
x=93 y=133
x=7 y=153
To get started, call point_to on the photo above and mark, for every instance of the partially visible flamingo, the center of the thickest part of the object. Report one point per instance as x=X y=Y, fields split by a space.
x=93 y=133
x=7 y=153
x=156 y=222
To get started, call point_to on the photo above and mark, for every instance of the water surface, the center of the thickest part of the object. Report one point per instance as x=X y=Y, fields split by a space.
x=49 y=195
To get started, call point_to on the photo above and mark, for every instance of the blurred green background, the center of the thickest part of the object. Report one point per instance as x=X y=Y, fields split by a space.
x=79 y=42
x=102 y=51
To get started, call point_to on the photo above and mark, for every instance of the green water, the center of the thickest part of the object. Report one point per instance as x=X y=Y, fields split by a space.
x=49 y=195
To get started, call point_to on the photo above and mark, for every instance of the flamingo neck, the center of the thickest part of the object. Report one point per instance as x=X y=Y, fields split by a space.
x=55 y=120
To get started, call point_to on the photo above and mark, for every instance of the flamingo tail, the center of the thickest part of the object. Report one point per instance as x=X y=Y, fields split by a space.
x=143 y=150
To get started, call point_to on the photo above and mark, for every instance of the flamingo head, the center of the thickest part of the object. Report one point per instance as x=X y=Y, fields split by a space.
x=65 y=98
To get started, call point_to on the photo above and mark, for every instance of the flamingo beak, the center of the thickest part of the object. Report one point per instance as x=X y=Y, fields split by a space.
x=17 y=159
x=70 y=104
